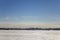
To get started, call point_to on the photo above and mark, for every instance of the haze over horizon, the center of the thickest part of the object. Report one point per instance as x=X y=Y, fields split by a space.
x=30 y=13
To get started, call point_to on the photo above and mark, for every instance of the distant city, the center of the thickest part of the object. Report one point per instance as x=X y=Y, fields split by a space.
x=29 y=28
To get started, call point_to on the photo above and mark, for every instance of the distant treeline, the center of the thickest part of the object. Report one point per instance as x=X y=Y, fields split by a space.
x=29 y=28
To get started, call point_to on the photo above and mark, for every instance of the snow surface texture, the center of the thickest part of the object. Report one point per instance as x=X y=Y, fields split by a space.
x=29 y=35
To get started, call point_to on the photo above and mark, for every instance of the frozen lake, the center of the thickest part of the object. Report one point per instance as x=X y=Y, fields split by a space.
x=29 y=35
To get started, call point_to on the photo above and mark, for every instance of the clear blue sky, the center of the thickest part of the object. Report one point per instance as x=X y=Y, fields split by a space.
x=30 y=10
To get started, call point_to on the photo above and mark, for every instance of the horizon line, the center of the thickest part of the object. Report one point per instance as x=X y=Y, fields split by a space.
x=29 y=28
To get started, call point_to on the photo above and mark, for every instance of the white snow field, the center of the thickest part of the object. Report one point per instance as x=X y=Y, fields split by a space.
x=29 y=35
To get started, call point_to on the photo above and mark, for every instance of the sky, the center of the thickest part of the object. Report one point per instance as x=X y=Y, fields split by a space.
x=32 y=13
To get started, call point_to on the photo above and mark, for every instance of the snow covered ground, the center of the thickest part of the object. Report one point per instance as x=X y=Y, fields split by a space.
x=29 y=35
